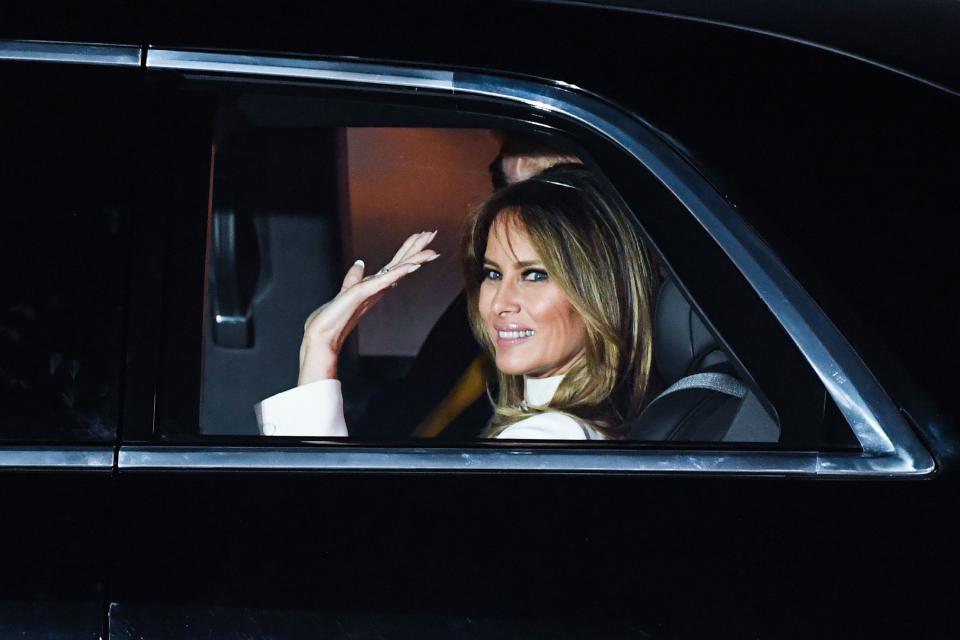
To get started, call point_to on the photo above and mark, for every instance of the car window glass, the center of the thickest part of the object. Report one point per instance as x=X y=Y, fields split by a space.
x=297 y=187
x=68 y=143
x=293 y=208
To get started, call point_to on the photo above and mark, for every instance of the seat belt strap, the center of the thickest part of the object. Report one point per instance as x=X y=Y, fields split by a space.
x=708 y=381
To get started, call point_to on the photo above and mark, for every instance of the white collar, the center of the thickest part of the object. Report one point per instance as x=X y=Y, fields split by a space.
x=538 y=392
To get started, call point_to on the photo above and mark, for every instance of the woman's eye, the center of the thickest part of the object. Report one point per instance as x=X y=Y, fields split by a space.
x=491 y=274
x=535 y=275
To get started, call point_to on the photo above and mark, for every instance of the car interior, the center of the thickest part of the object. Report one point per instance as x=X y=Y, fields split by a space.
x=292 y=206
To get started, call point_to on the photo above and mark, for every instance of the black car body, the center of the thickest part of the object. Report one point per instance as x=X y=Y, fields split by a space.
x=801 y=169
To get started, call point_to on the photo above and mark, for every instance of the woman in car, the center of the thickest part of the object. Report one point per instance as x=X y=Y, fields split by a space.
x=559 y=295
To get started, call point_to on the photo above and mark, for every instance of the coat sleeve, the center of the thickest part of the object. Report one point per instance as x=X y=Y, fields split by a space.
x=315 y=409
x=546 y=426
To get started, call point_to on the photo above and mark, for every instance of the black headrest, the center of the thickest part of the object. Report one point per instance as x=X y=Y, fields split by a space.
x=682 y=344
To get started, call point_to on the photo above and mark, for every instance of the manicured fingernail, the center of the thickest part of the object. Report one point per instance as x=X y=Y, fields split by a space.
x=414 y=268
x=433 y=257
x=358 y=263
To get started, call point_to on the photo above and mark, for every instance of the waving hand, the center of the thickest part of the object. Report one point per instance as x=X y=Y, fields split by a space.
x=327 y=328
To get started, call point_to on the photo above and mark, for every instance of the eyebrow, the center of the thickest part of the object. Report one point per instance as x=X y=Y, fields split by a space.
x=521 y=264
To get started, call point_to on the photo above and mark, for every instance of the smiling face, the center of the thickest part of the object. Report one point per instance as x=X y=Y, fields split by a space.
x=527 y=316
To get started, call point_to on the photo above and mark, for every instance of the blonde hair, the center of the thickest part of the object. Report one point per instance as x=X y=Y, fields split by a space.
x=594 y=253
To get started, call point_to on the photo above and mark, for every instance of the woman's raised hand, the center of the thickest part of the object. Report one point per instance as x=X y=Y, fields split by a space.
x=327 y=328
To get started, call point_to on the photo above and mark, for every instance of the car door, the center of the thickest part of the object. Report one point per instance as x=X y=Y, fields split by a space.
x=69 y=139
x=226 y=531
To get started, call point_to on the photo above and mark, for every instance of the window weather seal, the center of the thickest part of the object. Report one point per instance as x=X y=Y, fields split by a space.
x=368 y=74
x=468 y=459
x=56 y=458
x=70 y=53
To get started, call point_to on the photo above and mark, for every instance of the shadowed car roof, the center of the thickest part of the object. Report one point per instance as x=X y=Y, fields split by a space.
x=918 y=38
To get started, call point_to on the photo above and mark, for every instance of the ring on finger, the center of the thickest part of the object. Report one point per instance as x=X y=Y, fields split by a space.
x=383 y=271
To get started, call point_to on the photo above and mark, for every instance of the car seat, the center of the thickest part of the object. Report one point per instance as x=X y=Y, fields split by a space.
x=705 y=399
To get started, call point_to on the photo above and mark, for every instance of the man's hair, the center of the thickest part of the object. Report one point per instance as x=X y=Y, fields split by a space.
x=534 y=154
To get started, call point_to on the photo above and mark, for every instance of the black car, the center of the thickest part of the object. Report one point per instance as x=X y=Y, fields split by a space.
x=182 y=185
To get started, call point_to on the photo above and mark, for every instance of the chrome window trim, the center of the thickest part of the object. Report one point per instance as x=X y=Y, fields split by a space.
x=76 y=53
x=299 y=68
x=467 y=459
x=57 y=458
x=490 y=459
x=890 y=447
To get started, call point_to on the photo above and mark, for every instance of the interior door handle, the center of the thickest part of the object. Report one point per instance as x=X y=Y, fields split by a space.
x=235 y=263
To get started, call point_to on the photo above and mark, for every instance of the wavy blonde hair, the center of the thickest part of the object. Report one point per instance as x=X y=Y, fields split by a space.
x=592 y=250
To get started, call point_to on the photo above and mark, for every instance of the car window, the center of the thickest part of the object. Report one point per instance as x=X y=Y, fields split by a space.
x=69 y=163
x=301 y=184
x=749 y=376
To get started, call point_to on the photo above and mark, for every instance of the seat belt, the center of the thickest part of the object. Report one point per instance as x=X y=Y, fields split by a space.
x=650 y=421
x=708 y=381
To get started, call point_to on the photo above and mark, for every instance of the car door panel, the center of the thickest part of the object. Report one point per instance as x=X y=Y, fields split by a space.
x=69 y=147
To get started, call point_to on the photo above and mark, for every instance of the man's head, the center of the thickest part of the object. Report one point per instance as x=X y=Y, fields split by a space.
x=521 y=158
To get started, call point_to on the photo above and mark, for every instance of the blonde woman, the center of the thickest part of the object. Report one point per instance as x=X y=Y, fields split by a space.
x=559 y=295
